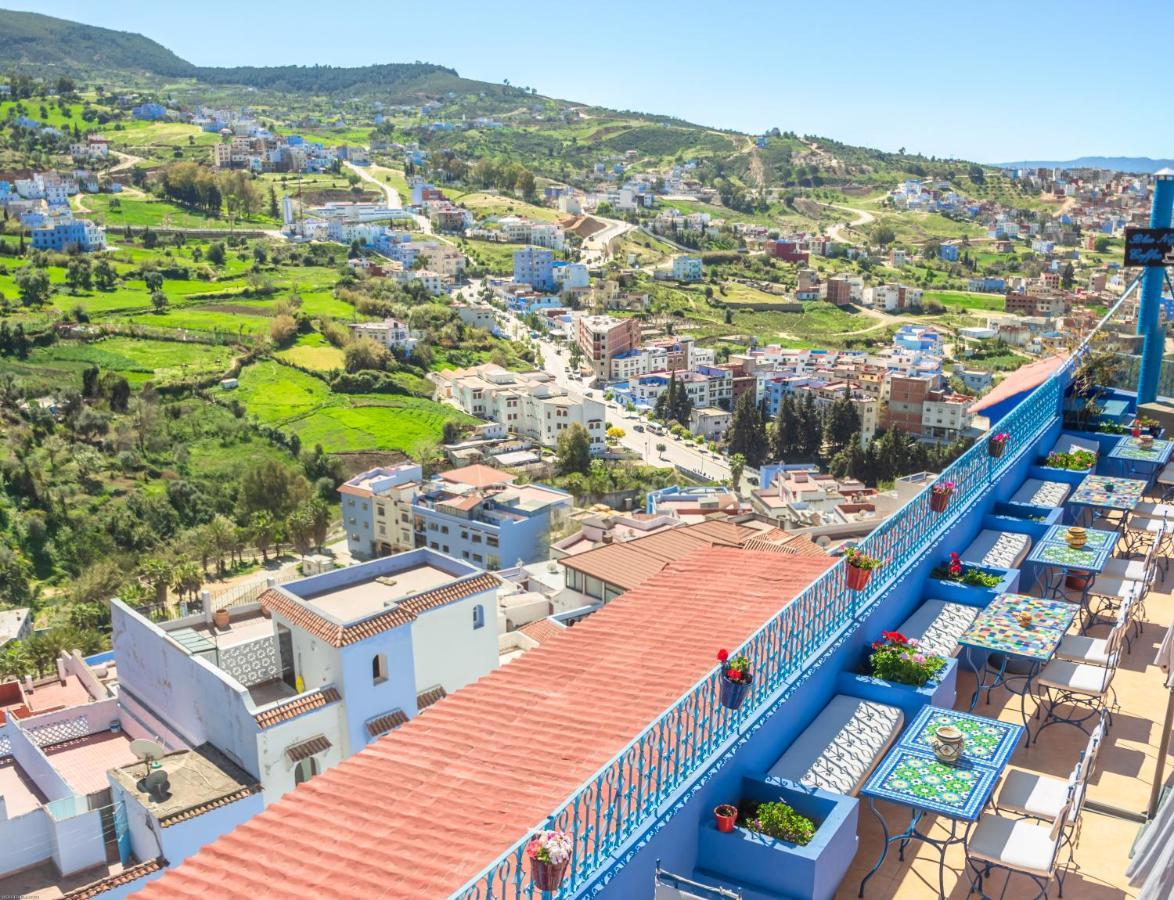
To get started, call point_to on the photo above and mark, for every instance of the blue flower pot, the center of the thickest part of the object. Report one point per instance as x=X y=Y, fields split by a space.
x=733 y=693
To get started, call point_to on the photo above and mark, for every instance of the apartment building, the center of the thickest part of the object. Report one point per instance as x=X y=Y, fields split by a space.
x=391 y=333
x=603 y=338
x=535 y=266
x=916 y=407
x=477 y=315
x=706 y=386
x=67 y=234
x=687 y=268
x=1047 y=305
x=530 y=404
x=893 y=297
x=945 y=415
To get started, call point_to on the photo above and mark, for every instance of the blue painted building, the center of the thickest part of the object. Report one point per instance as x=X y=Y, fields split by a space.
x=149 y=112
x=948 y=252
x=535 y=266
x=72 y=234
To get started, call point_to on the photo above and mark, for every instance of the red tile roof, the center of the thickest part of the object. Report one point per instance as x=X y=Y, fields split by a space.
x=303 y=749
x=430 y=696
x=1025 y=378
x=478 y=476
x=542 y=630
x=192 y=811
x=295 y=707
x=297 y=611
x=500 y=754
x=386 y=722
x=110 y=882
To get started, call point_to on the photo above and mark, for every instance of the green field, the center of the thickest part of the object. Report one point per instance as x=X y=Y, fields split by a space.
x=115 y=211
x=139 y=360
x=140 y=133
x=966 y=300
x=281 y=396
x=53 y=117
x=312 y=351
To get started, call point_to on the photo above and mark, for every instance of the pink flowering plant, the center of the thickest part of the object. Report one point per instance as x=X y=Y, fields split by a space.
x=735 y=668
x=943 y=487
x=1000 y=438
x=552 y=847
x=861 y=560
x=902 y=660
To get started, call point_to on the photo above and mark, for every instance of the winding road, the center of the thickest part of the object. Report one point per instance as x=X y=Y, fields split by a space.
x=863 y=217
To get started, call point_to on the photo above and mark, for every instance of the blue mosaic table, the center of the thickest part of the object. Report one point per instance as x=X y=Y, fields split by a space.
x=1108 y=492
x=911 y=776
x=1054 y=558
x=1133 y=459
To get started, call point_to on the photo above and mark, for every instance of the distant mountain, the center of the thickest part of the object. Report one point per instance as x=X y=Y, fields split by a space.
x=46 y=46
x=1135 y=164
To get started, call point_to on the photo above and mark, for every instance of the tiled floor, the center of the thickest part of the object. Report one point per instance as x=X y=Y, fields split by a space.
x=83 y=762
x=20 y=793
x=1122 y=778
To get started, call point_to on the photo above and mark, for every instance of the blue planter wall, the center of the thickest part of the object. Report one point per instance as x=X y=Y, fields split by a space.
x=908 y=697
x=970 y=595
x=673 y=836
x=1012 y=517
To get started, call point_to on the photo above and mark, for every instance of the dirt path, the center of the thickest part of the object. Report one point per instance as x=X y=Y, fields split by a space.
x=863 y=217
x=126 y=161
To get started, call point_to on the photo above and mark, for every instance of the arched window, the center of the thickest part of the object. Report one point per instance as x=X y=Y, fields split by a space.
x=305 y=770
x=379 y=668
x=478 y=616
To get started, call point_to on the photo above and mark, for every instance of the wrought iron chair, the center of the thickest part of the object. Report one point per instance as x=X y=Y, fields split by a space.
x=1074 y=684
x=1020 y=847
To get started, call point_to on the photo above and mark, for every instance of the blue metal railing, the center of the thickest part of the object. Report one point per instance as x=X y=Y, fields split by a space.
x=612 y=805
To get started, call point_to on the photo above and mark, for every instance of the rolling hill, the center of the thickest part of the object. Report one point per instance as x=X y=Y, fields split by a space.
x=1134 y=164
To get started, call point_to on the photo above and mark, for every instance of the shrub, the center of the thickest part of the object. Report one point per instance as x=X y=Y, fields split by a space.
x=1077 y=460
x=900 y=659
x=778 y=820
x=283 y=329
x=956 y=570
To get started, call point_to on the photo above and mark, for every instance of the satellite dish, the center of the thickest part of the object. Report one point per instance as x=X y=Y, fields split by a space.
x=158 y=785
x=147 y=751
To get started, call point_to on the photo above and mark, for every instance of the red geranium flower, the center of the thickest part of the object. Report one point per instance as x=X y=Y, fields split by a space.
x=723 y=655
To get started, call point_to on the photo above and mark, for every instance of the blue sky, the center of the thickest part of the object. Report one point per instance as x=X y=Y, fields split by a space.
x=994 y=81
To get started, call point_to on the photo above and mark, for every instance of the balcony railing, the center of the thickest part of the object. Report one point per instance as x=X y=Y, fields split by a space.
x=630 y=790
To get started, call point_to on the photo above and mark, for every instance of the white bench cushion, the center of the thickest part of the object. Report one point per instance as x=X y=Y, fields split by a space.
x=839 y=750
x=938 y=625
x=1067 y=443
x=1036 y=492
x=997 y=549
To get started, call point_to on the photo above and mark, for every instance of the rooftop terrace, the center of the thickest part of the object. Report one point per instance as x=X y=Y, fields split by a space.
x=364 y=598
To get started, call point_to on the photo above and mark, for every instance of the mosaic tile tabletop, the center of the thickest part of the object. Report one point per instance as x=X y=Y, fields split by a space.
x=1053 y=550
x=1108 y=492
x=909 y=777
x=997 y=629
x=988 y=741
x=1157 y=453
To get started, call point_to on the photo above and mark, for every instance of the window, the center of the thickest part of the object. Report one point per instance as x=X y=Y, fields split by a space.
x=476 y=538
x=491 y=540
x=305 y=770
x=478 y=616
x=381 y=510
x=478 y=558
x=444 y=529
x=379 y=668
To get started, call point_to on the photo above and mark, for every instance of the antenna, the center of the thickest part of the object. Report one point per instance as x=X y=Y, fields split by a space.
x=147 y=750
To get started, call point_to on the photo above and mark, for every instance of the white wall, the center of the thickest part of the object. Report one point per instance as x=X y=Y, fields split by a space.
x=200 y=702
x=25 y=840
x=36 y=765
x=447 y=649
x=183 y=839
x=78 y=843
x=277 y=772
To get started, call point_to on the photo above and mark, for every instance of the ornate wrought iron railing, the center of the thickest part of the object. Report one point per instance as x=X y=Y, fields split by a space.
x=614 y=804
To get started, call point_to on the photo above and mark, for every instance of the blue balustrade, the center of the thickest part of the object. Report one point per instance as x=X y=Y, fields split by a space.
x=689 y=737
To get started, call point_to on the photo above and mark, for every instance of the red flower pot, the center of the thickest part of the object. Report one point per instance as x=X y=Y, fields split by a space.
x=995 y=448
x=1076 y=581
x=548 y=876
x=858 y=577
x=938 y=501
x=726 y=817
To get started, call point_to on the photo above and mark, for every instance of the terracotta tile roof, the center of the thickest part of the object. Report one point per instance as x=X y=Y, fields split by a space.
x=295 y=707
x=543 y=630
x=367 y=827
x=429 y=696
x=633 y=562
x=303 y=749
x=184 y=814
x=1024 y=378
x=478 y=476
x=110 y=882
x=302 y=615
x=792 y=545
x=386 y=722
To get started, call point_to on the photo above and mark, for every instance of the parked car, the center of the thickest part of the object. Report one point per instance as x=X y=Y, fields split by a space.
x=637 y=427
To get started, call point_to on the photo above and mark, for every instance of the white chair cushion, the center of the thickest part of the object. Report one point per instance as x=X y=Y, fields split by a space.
x=1080 y=649
x=1014 y=843
x=938 y=625
x=1032 y=795
x=997 y=549
x=1080 y=678
x=1068 y=443
x=1167 y=475
x=1153 y=511
x=839 y=750
x=1035 y=492
x=1125 y=569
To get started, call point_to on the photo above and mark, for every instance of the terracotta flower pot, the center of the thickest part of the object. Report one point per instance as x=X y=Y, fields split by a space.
x=939 y=500
x=220 y=618
x=733 y=693
x=858 y=577
x=1077 y=581
x=726 y=816
x=995 y=448
x=548 y=876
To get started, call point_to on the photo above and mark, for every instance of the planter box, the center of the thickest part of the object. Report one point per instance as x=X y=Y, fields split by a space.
x=1013 y=517
x=908 y=697
x=956 y=592
x=1068 y=476
x=779 y=867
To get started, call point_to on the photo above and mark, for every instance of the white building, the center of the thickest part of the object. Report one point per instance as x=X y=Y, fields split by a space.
x=391 y=333
x=687 y=268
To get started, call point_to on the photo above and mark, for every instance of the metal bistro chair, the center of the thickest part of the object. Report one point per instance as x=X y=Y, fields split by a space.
x=1165 y=483
x=1121 y=581
x=1042 y=797
x=1080 y=648
x=1066 y=683
x=1019 y=846
x=1150 y=526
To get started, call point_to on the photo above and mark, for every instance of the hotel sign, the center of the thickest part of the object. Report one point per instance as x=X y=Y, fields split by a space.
x=1149 y=247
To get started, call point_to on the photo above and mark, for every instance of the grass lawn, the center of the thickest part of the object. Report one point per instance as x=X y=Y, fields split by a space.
x=224 y=321
x=139 y=133
x=966 y=300
x=483 y=205
x=285 y=397
x=312 y=351
x=53 y=117
x=156 y=213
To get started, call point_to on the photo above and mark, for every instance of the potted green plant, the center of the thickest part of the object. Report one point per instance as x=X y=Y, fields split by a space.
x=1148 y=425
x=860 y=567
x=549 y=853
x=779 y=820
x=939 y=496
x=901 y=660
x=1074 y=461
x=996 y=444
x=725 y=817
x=735 y=679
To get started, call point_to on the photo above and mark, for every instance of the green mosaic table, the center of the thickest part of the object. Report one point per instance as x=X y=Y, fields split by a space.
x=1108 y=492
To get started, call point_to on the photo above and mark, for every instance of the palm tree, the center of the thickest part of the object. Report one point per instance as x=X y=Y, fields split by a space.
x=14 y=661
x=158 y=573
